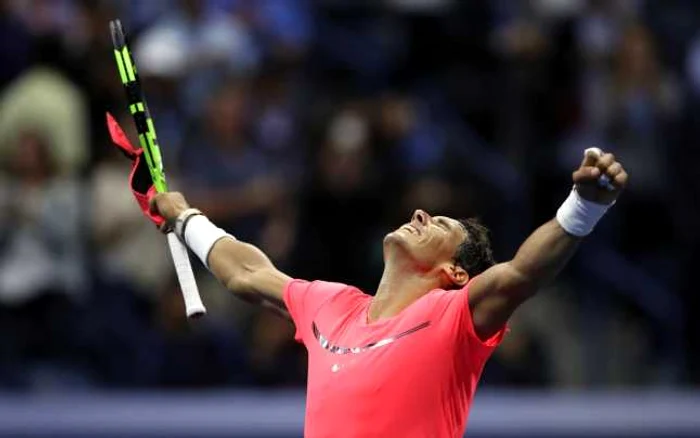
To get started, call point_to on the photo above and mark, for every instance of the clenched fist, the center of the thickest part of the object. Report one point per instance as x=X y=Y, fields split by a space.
x=169 y=205
x=600 y=178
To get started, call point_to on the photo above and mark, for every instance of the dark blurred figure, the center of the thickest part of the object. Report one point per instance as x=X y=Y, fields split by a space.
x=42 y=270
x=643 y=116
x=194 y=354
x=228 y=175
x=518 y=363
x=275 y=358
x=207 y=43
x=342 y=203
x=15 y=44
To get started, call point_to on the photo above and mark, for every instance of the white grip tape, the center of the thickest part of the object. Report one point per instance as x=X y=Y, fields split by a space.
x=193 y=302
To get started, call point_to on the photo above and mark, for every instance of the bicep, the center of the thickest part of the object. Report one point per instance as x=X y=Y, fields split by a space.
x=493 y=297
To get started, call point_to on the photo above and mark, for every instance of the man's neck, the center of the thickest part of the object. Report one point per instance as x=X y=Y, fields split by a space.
x=397 y=289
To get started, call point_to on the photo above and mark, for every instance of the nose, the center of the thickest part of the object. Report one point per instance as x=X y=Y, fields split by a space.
x=421 y=217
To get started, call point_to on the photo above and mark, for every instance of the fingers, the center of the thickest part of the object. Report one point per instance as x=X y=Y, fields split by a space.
x=620 y=179
x=584 y=174
x=168 y=205
x=604 y=162
x=614 y=169
x=595 y=164
x=590 y=156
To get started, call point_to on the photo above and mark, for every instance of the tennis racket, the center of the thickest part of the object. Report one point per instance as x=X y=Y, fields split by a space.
x=151 y=151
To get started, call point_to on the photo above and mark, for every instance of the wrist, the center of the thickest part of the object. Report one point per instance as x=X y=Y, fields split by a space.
x=182 y=219
x=578 y=216
x=199 y=234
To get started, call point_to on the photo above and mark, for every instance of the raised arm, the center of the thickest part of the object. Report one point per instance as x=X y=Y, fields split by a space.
x=498 y=291
x=243 y=268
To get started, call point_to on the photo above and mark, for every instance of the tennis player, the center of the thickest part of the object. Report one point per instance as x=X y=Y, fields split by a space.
x=406 y=361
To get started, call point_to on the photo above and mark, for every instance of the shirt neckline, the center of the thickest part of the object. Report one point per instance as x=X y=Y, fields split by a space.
x=364 y=314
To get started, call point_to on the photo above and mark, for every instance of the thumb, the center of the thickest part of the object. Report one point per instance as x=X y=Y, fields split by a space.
x=591 y=156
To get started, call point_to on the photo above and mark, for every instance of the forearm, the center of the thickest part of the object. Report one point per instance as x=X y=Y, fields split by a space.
x=543 y=255
x=243 y=268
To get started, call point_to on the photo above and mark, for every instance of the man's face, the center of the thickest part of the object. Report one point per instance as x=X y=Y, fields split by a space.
x=429 y=242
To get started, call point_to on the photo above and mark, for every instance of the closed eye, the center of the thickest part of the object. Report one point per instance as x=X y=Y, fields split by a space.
x=443 y=224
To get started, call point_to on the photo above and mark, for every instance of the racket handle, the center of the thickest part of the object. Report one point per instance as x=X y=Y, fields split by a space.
x=193 y=302
x=604 y=181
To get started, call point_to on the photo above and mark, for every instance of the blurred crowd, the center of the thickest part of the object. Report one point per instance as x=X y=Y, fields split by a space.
x=313 y=127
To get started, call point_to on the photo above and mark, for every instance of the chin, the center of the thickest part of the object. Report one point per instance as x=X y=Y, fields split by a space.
x=396 y=239
x=393 y=238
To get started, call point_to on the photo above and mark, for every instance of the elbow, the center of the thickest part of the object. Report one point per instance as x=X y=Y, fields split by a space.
x=239 y=284
x=241 y=287
x=248 y=280
x=240 y=281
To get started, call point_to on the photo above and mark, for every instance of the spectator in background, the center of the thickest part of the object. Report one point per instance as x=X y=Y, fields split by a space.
x=633 y=109
x=645 y=100
x=230 y=176
x=234 y=179
x=162 y=63
x=183 y=357
x=409 y=141
x=638 y=99
x=213 y=45
x=275 y=359
x=42 y=268
x=278 y=112
x=343 y=189
x=281 y=28
x=85 y=55
x=42 y=99
x=42 y=265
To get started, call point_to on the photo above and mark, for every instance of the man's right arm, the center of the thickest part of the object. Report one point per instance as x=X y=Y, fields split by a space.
x=246 y=271
x=243 y=268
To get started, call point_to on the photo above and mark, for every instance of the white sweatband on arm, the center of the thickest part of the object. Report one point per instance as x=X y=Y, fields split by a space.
x=199 y=233
x=578 y=216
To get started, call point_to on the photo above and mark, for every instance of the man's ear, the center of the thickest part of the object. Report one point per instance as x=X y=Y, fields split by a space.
x=456 y=274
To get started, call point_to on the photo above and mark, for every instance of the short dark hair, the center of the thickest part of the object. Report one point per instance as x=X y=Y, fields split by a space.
x=474 y=254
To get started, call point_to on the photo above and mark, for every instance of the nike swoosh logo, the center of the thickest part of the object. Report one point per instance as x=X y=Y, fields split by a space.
x=337 y=349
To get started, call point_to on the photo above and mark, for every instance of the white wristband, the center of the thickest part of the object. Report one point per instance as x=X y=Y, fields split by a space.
x=201 y=235
x=578 y=216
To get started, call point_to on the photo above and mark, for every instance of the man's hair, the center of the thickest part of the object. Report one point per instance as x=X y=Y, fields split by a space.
x=474 y=254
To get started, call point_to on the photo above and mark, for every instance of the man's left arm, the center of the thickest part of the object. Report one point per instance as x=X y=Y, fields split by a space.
x=498 y=291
